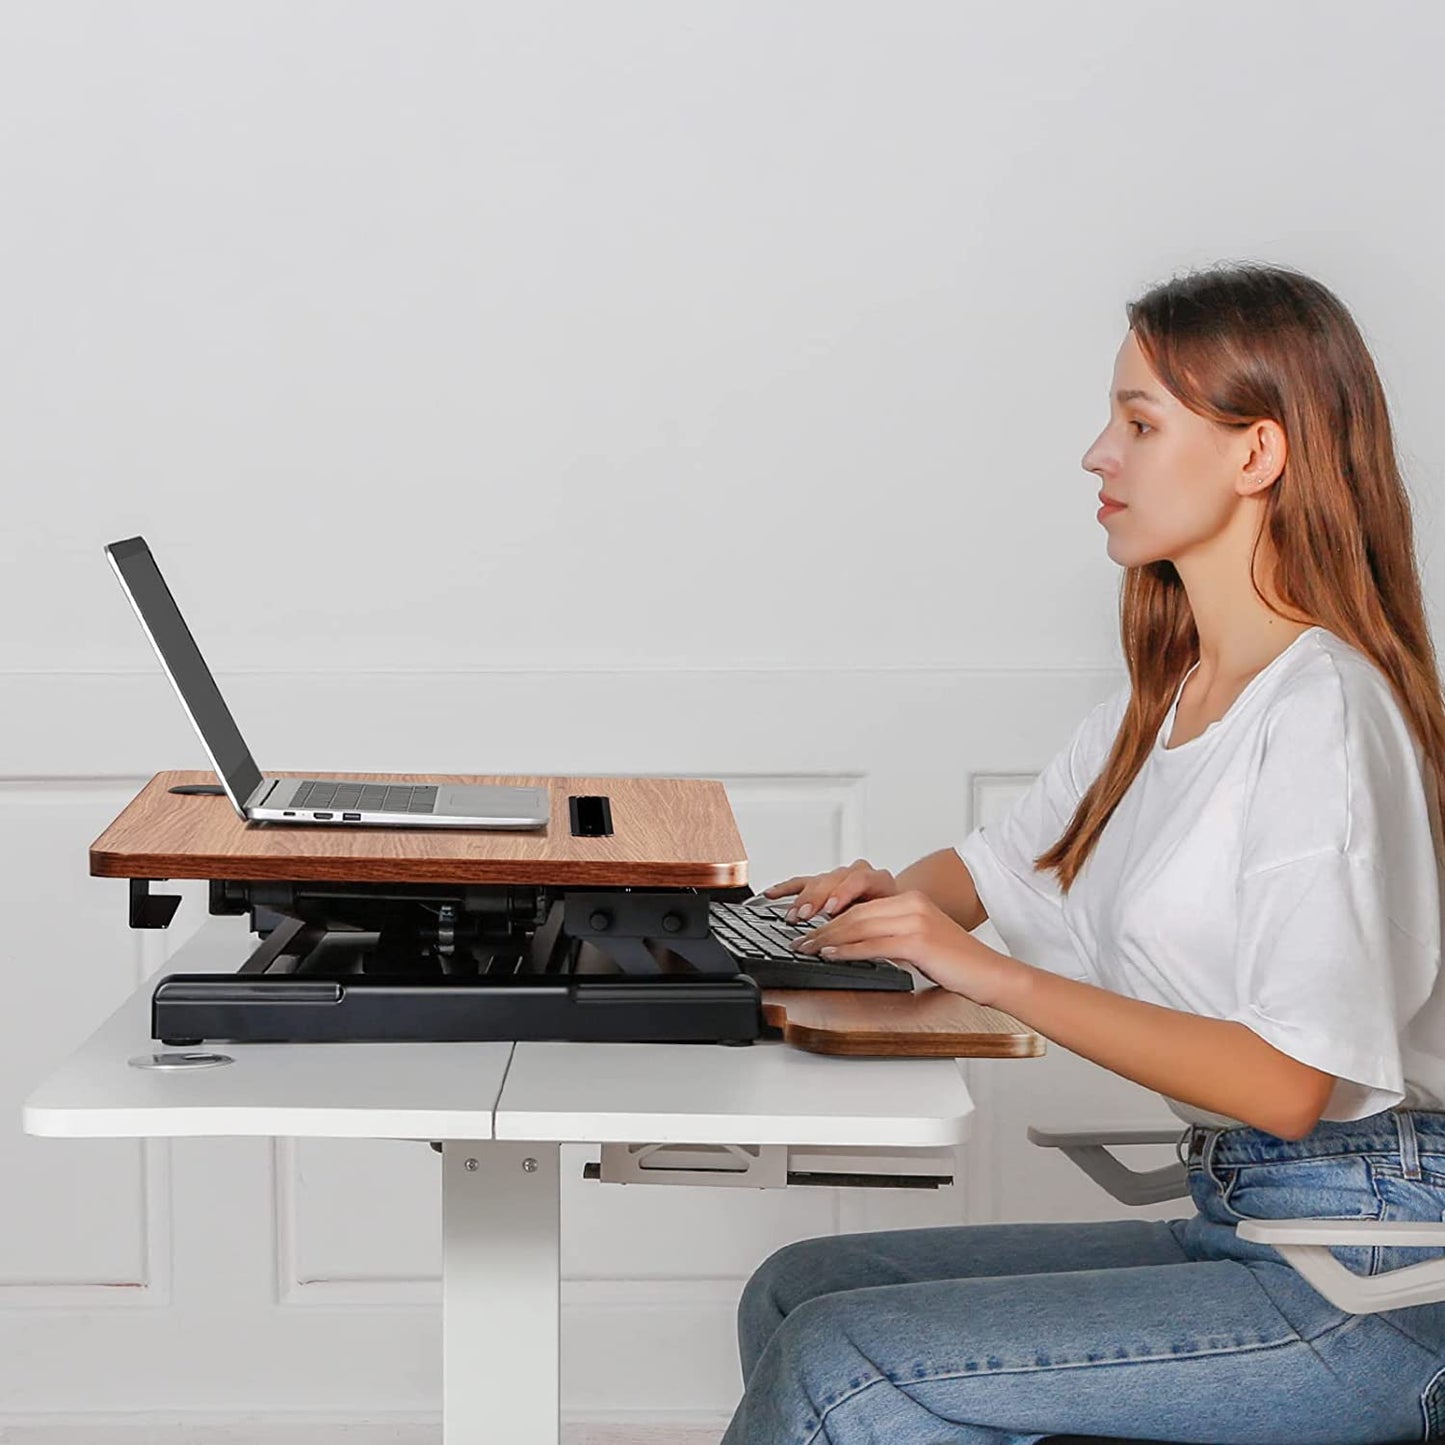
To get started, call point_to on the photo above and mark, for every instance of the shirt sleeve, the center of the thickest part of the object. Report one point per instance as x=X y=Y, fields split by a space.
x=1329 y=978
x=1338 y=943
x=1023 y=904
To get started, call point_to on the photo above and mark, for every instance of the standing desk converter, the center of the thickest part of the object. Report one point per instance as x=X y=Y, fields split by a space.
x=785 y=1109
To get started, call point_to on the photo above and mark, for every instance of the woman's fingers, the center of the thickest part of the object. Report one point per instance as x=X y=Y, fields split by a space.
x=862 y=880
x=812 y=897
x=868 y=921
x=851 y=887
x=787 y=887
x=873 y=948
x=828 y=893
x=803 y=883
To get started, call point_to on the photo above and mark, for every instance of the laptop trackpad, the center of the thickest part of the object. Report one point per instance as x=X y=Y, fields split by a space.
x=492 y=800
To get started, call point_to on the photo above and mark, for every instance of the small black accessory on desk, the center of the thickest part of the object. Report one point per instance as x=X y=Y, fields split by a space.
x=210 y=789
x=591 y=815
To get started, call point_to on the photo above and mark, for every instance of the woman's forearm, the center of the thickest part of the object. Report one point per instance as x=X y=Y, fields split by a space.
x=1214 y=1064
x=944 y=877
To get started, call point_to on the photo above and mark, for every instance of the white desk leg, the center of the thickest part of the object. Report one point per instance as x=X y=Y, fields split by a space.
x=501 y=1293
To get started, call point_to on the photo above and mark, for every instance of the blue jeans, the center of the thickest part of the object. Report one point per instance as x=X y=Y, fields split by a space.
x=1177 y=1330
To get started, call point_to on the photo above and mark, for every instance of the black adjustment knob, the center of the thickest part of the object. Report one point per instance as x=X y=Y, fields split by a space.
x=672 y=922
x=601 y=920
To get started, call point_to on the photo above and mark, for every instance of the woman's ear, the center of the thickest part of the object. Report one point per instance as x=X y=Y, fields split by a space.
x=1268 y=453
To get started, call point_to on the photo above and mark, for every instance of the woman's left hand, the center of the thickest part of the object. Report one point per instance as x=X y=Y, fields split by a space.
x=911 y=928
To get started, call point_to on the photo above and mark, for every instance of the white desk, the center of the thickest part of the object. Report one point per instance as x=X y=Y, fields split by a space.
x=501 y=1112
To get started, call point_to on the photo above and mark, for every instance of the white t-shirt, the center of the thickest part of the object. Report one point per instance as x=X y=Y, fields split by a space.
x=1281 y=869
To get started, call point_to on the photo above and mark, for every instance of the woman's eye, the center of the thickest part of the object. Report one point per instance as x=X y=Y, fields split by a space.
x=1142 y=424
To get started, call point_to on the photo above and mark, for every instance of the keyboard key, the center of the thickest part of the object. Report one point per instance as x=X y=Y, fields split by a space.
x=408 y=798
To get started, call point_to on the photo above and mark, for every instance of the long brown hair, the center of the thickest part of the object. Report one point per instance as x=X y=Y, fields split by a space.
x=1237 y=344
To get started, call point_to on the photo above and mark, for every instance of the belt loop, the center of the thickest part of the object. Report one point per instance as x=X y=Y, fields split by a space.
x=1206 y=1151
x=1181 y=1145
x=1192 y=1144
x=1409 y=1144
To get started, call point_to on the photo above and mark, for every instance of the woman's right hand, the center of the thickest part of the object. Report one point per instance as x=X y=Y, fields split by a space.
x=831 y=893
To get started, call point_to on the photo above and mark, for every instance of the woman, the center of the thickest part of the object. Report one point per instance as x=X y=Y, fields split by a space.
x=1226 y=887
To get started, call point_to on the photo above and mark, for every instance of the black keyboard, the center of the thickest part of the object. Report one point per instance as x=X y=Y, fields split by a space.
x=367 y=797
x=758 y=938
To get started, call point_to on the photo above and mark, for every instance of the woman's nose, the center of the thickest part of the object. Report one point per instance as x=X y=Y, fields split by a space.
x=1096 y=458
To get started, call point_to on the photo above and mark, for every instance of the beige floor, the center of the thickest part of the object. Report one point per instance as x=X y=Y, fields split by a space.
x=292 y=1434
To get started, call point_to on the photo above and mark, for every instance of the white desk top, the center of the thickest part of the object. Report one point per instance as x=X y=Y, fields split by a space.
x=765 y=1093
x=339 y=1091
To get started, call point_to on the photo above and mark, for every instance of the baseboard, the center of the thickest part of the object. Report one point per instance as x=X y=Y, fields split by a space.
x=316 y=1429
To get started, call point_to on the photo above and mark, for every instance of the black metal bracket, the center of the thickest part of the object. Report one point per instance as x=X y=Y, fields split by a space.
x=465 y=910
x=467 y=927
x=612 y=913
x=621 y=922
x=147 y=911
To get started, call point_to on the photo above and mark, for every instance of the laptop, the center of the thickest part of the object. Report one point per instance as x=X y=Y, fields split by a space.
x=344 y=802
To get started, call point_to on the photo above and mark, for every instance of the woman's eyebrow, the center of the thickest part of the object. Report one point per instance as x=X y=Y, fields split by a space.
x=1133 y=394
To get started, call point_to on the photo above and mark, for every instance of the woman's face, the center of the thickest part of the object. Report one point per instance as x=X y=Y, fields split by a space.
x=1175 y=472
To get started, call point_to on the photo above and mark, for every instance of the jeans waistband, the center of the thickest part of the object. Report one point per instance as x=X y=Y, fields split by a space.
x=1403 y=1133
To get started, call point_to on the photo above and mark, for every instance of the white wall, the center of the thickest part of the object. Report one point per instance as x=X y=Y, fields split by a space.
x=638 y=387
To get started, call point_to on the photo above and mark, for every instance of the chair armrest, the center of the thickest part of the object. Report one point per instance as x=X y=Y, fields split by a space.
x=1408 y=1235
x=1304 y=1243
x=1085 y=1147
x=1115 y=1134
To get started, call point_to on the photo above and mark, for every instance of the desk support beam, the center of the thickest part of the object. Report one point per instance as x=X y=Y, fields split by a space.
x=501 y=1293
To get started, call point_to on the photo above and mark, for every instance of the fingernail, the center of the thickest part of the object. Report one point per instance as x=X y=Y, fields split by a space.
x=827 y=952
x=806 y=911
x=831 y=906
x=791 y=915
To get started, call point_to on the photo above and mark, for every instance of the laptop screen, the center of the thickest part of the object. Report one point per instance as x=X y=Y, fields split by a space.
x=185 y=667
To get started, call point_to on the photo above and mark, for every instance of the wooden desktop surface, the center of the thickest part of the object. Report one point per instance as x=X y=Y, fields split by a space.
x=667 y=832
x=929 y=1023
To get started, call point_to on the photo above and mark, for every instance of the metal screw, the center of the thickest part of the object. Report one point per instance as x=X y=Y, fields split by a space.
x=529 y=1166
x=470 y=1166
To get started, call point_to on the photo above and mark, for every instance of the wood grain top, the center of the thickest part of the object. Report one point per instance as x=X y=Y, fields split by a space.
x=667 y=832
x=931 y=1022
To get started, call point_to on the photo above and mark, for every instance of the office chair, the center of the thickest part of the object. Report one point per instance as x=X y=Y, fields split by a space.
x=1303 y=1243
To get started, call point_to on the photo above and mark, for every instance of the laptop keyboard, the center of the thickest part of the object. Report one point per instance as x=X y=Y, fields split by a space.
x=367 y=797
